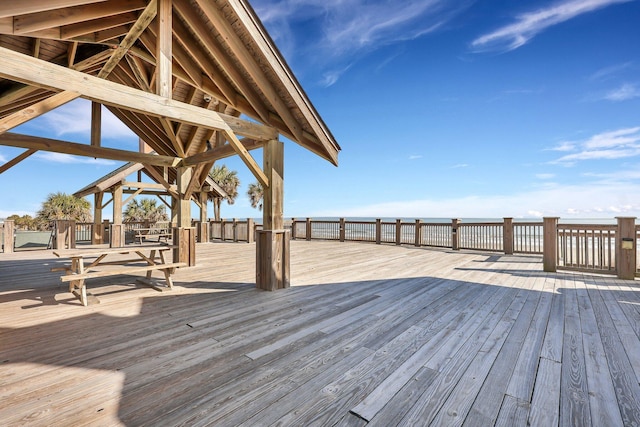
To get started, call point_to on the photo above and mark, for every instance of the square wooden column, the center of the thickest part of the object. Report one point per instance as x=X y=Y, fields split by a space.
x=272 y=242
x=97 y=236
x=116 y=235
x=184 y=234
x=203 y=232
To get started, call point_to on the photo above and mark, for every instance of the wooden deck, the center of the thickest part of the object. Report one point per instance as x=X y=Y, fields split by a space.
x=368 y=335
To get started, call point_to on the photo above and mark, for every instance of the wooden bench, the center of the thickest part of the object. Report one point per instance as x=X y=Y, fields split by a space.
x=77 y=272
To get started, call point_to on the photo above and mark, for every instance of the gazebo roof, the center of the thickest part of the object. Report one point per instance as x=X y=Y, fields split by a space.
x=222 y=58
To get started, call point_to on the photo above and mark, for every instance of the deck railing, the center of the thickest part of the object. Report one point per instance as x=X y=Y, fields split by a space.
x=587 y=247
x=608 y=249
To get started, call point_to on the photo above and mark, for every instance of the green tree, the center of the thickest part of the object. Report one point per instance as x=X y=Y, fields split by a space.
x=144 y=209
x=61 y=206
x=256 y=194
x=228 y=180
x=24 y=222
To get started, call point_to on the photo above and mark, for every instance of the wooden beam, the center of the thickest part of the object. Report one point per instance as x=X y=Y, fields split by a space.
x=134 y=194
x=22 y=68
x=46 y=144
x=11 y=163
x=24 y=7
x=147 y=185
x=161 y=179
x=96 y=123
x=164 y=54
x=145 y=18
x=57 y=100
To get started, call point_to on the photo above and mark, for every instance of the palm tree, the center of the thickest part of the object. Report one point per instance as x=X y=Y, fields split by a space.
x=144 y=210
x=256 y=194
x=61 y=206
x=228 y=180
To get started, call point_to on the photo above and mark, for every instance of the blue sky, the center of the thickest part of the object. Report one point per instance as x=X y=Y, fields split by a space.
x=483 y=108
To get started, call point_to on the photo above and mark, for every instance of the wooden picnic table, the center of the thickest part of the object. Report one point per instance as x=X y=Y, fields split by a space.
x=144 y=233
x=92 y=262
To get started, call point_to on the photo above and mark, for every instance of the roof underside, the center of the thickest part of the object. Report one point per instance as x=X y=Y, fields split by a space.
x=222 y=60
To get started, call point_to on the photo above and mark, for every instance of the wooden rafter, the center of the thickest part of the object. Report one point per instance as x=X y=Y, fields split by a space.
x=251 y=65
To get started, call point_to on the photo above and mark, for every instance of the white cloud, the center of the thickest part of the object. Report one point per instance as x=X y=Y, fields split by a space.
x=69 y=159
x=545 y=176
x=340 y=30
x=3 y=159
x=460 y=166
x=621 y=143
x=588 y=200
x=529 y=24
x=75 y=118
x=415 y=157
x=609 y=72
x=623 y=93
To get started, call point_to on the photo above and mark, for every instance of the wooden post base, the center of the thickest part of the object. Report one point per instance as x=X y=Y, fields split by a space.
x=272 y=259
x=185 y=239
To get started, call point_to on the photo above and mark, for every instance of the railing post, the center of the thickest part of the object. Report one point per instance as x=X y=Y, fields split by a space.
x=293 y=229
x=378 y=231
x=235 y=229
x=626 y=248
x=9 y=231
x=104 y=232
x=418 y=232
x=398 y=231
x=222 y=232
x=550 y=244
x=342 y=230
x=250 y=230
x=308 y=229
x=454 y=234
x=507 y=236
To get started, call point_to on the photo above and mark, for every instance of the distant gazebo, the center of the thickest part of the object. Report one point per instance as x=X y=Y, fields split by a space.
x=196 y=81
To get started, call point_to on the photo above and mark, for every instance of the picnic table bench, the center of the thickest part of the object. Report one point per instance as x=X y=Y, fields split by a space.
x=91 y=263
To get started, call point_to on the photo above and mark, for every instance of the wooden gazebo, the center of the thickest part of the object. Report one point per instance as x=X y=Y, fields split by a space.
x=196 y=80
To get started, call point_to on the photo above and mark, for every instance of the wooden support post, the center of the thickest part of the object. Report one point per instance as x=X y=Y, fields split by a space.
x=626 y=248
x=65 y=234
x=418 y=240
x=272 y=242
x=308 y=229
x=251 y=230
x=96 y=124
x=97 y=236
x=507 y=236
x=234 y=229
x=116 y=234
x=185 y=239
x=8 y=233
x=378 y=231
x=184 y=235
x=203 y=231
x=455 y=245
x=398 y=231
x=222 y=231
x=550 y=244
x=293 y=229
x=342 y=229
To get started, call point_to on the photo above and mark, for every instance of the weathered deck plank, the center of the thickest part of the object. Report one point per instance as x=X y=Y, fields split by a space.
x=368 y=335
